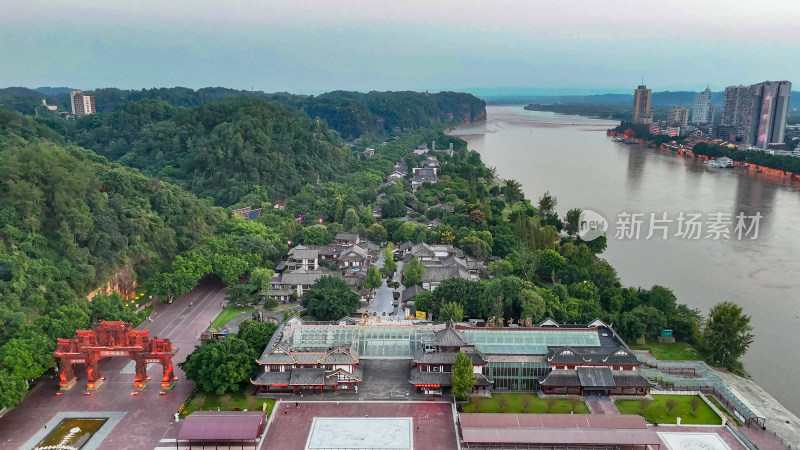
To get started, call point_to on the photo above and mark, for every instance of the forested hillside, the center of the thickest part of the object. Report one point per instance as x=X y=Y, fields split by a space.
x=352 y=114
x=221 y=150
x=69 y=219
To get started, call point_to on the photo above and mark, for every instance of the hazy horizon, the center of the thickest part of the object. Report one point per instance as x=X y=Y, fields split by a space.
x=314 y=46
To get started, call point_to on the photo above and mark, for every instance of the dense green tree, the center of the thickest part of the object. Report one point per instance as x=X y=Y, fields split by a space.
x=350 y=219
x=389 y=265
x=512 y=191
x=412 y=272
x=549 y=262
x=260 y=277
x=241 y=294
x=451 y=311
x=727 y=334
x=463 y=378
x=469 y=294
x=423 y=301
x=331 y=299
x=220 y=366
x=376 y=233
x=547 y=204
x=573 y=220
x=256 y=334
x=110 y=307
x=373 y=278
x=12 y=388
x=533 y=305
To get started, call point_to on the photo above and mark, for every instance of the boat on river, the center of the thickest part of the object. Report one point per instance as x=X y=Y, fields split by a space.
x=722 y=163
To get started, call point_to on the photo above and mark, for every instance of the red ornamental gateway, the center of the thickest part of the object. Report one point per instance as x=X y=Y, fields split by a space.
x=114 y=339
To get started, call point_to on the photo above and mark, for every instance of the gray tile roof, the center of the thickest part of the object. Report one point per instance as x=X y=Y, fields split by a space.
x=302 y=277
x=630 y=378
x=277 y=355
x=445 y=358
x=346 y=237
x=303 y=253
x=621 y=357
x=449 y=337
x=273 y=378
x=411 y=292
x=435 y=274
x=556 y=378
x=354 y=253
x=305 y=377
x=566 y=356
x=596 y=377
x=443 y=379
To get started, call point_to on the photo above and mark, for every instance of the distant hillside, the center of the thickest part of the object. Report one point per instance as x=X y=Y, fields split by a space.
x=352 y=114
x=665 y=98
x=54 y=90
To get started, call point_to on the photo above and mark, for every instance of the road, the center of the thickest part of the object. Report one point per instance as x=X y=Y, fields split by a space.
x=382 y=303
x=145 y=418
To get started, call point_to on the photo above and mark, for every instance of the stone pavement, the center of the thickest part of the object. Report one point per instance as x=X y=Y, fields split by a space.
x=146 y=417
x=779 y=420
x=432 y=422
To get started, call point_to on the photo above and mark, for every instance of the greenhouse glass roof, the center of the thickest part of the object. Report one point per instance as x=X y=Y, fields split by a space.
x=528 y=342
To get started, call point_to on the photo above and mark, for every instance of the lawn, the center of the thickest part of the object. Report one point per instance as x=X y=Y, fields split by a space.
x=238 y=400
x=228 y=313
x=656 y=410
x=724 y=411
x=679 y=351
x=537 y=406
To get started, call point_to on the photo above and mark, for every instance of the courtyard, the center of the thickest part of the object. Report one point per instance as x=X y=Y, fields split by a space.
x=362 y=425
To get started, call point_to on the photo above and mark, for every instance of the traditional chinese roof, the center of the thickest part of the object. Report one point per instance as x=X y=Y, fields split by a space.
x=306 y=377
x=621 y=357
x=441 y=378
x=346 y=237
x=355 y=375
x=411 y=292
x=354 y=253
x=449 y=337
x=445 y=358
x=339 y=355
x=596 y=377
x=566 y=356
x=434 y=274
x=562 y=378
x=277 y=355
x=630 y=378
x=273 y=378
x=303 y=253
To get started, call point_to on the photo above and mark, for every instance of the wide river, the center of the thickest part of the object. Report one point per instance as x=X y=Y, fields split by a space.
x=572 y=158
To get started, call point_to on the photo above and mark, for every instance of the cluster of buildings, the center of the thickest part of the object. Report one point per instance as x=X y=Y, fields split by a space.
x=442 y=262
x=306 y=264
x=752 y=116
x=554 y=358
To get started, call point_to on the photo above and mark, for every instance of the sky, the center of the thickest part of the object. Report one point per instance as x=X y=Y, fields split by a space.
x=313 y=46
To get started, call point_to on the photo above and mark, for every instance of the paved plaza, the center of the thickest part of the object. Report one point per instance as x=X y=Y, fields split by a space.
x=144 y=418
x=325 y=425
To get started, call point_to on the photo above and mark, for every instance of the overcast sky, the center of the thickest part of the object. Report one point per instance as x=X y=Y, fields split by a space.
x=316 y=46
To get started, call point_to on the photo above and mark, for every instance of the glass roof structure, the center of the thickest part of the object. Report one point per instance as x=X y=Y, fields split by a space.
x=383 y=341
x=528 y=342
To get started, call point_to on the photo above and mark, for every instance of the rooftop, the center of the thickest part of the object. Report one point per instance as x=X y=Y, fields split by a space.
x=222 y=426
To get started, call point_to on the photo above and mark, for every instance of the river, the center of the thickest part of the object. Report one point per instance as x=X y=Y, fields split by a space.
x=571 y=157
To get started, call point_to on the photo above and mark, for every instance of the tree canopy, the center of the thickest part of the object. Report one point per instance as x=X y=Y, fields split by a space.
x=220 y=366
x=331 y=299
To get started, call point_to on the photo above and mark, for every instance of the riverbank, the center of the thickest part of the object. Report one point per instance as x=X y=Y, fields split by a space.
x=568 y=156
